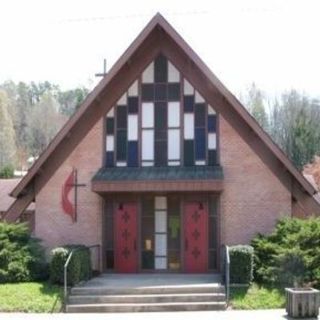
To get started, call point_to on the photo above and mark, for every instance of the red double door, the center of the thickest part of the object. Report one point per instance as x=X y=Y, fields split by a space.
x=126 y=226
x=196 y=237
x=195 y=217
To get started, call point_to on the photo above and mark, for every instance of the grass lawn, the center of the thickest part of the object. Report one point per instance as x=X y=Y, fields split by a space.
x=30 y=297
x=257 y=297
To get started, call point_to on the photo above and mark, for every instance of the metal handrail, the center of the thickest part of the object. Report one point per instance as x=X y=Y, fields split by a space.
x=227 y=273
x=65 y=268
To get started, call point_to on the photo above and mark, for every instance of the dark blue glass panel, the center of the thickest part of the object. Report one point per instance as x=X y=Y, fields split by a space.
x=160 y=92
x=161 y=158
x=110 y=125
x=121 y=145
x=147 y=92
x=212 y=158
x=121 y=117
x=188 y=102
x=188 y=153
x=160 y=115
x=200 y=141
x=174 y=91
x=212 y=123
x=109 y=159
x=132 y=154
x=133 y=105
x=200 y=115
x=161 y=69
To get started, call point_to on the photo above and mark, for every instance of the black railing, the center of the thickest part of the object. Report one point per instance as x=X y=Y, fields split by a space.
x=225 y=269
x=65 y=267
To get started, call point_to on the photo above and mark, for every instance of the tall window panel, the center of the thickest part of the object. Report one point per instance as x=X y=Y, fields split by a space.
x=109 y=158
x=200 y=111
x=189 y=129
x=161 y=251
x=212 y=137
x=147 y=136
x=174 y=137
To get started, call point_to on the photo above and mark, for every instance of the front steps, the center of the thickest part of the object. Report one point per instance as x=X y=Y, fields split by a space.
x=144 y=296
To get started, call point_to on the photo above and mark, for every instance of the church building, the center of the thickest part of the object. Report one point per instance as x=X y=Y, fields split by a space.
x=160 y=166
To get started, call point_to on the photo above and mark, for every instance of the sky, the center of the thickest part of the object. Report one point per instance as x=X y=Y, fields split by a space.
x=272 y=43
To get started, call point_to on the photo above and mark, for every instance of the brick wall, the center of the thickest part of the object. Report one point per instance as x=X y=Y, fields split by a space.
x=53 y=226
x=253 y=197
x=252 y=200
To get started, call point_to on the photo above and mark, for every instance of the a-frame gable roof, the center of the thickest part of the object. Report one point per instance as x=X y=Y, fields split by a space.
x=159 y=36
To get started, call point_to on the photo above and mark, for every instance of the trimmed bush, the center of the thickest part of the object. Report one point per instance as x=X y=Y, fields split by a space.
x=290 y=255
x=22 y=257
x=79 y=267
x=7 y=172
x=241 y=264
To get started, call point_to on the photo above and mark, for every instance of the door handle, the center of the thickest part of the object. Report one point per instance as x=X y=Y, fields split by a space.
x=186 y=244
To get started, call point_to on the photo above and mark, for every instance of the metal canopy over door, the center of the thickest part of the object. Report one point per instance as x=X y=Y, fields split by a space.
x=196 y=237
x=126 y=223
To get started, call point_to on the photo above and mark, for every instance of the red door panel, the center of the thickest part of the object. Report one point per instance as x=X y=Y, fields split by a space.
x=125 y=224
x=196 y=237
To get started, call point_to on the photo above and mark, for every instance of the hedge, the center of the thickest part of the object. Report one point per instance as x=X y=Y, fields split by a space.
x=22 y=257
x=79 y=268
x=290 y=255
x=241 y=264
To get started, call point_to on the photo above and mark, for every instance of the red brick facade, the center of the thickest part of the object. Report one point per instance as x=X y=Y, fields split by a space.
x=252 y=200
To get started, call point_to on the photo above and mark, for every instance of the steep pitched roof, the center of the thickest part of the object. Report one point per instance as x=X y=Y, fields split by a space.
x=158 y=36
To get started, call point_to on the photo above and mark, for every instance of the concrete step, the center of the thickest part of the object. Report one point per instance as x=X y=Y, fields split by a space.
x=147 y=298
x=145 y=307
x=105 y=290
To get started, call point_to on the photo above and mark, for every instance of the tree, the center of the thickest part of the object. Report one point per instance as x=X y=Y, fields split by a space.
x=44 y=123
x=7 y=134
x=70 y=100
x=255 y=105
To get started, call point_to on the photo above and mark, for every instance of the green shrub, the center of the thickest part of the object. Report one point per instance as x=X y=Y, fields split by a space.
x=7 y=172
x=21 y=256
x=290 y=255
x=241 y=264
x=79 y=267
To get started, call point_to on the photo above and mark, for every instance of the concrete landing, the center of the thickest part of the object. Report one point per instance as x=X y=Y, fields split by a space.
x=148 y=293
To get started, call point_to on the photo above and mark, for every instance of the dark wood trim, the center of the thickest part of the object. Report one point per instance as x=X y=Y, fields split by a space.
x=157 y=186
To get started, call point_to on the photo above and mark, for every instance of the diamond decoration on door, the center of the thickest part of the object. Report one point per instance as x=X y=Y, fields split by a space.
x=125 y=217
x=126 y=252
x=195 y=252
x=196 y=234
x=126 y=234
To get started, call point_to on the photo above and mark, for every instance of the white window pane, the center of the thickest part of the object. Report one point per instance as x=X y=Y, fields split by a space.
x=173 y=73
x=211 y=110
x=147 y=164
x=147 y=145
x=160 y=263
x=147 y=115
x=174 y=163
x=161 y=245
x=110 y=114
x=123 y=100
x=110 y=143
x=148 y=74
x=133 y=90
x=161 y=203
x=174 y=114
x=121 y=164
x=198 y=97
x=189 y=126
x=174 y=144
x=187 y=88
x=212 y=141
x=200 y=162
x=132 y=127
x=161 y=221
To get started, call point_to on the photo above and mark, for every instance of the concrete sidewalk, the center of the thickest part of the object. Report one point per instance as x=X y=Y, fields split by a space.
x=276 y=314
